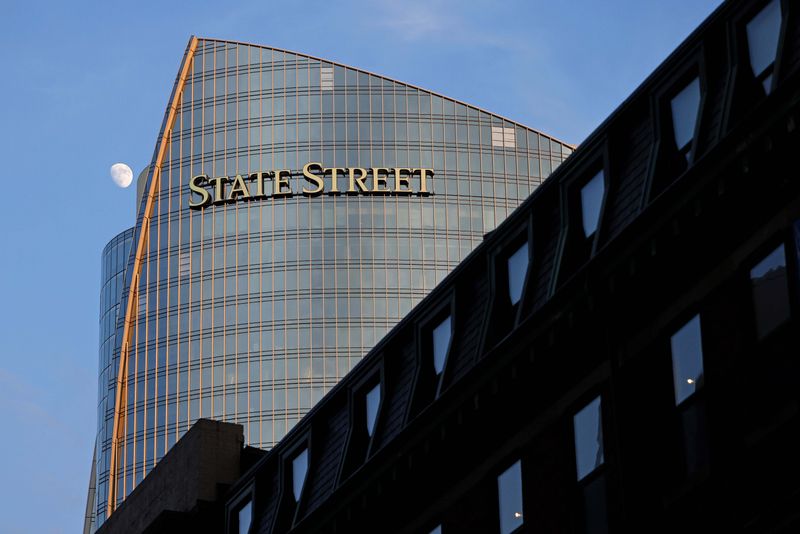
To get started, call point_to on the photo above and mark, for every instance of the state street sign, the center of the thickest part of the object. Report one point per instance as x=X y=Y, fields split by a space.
x=349 y=180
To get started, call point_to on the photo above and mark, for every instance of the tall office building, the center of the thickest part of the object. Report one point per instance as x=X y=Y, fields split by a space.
x=295 y=209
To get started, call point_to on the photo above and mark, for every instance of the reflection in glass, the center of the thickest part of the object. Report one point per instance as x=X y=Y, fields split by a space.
x=687 y=359
x=245 y=517
x=762 y=41
x=517 y=269
x=770 y=291
x=588 y=426
x=373 y=399
x=299 y=470
x=509 y=495
x=591 y=202
x=684 y=116
x=441 y=344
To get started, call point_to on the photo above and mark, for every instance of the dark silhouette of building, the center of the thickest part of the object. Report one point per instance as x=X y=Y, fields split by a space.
x=619 y=355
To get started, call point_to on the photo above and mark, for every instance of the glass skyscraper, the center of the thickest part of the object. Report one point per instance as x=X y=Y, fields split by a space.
x=247 y=289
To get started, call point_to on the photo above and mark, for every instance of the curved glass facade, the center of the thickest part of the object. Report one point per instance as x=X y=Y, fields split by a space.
x=249 y=311
x=112 y=278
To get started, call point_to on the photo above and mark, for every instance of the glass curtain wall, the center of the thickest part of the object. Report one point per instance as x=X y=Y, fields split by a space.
x=251 y=311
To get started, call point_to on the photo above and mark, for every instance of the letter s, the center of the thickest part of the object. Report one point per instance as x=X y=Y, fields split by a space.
x=313 y=178
x=195 y=186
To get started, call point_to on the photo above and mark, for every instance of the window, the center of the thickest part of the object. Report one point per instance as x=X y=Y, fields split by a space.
x=373 y=400
x=441 y=344
x=517 y=269
x=184 y=264
x=504 y=137
x=326 y=78
x=509 y=495
x=435 y=334
x=588 y=426
x=366 y=403
x=770 y=291
x=687 y=360
x=685 y=106
x=294 y=474
x=437 y=530
x=299 y=470
x=245 y=517
x=687 y=369
x=591 y=202
x=763 y=32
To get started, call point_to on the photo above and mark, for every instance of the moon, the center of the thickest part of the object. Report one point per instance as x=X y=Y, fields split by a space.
x=121 y=174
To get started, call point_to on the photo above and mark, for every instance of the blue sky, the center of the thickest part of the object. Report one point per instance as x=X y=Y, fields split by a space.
x=85 y=85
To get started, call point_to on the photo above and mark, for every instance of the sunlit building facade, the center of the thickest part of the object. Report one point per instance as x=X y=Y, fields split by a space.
x=294 y=211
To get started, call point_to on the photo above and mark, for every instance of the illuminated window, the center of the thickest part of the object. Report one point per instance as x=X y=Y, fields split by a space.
x=326 y=78
x=687 y=360
x=763 y=31
x=299 y=470
x=509 y=495
x=437 y=530
x=591 y=202
x=588 y=426
x=770 y=291
x=441 y=344
x=685 y=106
x=517 y=269
x=373 y=400
x=504 y=137
x=184 y=264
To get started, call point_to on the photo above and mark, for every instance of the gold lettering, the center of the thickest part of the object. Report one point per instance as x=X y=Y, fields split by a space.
x=357 y=181
x=212 y=190
x=334 y=172
x=423 y=183
x=378 y=180
x=219 y=188
x=401 y=181
x=280 y=183
x=313 y=178
x=260 y=178
x=239 y=188
x=196 y=187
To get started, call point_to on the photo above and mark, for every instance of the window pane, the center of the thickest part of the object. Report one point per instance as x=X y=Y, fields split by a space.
x=684 y=113
x=441 y=344
x=594 y=507
x=588 y=425
x=509 y=494
x=245 y=517
x=517 y=269
x=299 y=469
x=437 y=530
x=373 y=399
x=591 y=202
x=695 y=436
x=770 y=291
x=687 y=359
x=762 y=37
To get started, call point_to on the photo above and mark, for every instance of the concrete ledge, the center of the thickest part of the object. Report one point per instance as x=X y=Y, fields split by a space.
x=189 y=480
